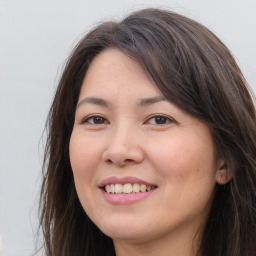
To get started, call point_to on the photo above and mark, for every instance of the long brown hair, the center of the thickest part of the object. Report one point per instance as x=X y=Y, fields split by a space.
x=195 y=71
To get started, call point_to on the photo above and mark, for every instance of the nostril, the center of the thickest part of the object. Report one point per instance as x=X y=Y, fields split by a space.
x=122 y=156
x=109 y=161
x=121 y=163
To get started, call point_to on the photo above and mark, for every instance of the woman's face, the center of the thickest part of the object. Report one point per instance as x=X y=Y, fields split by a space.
x=127 y=138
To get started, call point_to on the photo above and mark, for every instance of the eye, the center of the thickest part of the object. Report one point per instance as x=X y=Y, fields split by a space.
x=159 y=120
x=95 y=120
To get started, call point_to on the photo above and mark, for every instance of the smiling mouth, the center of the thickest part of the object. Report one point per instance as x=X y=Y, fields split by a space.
x=127 y=188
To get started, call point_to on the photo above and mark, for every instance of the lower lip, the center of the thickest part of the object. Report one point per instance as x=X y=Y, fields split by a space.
x=126 y=198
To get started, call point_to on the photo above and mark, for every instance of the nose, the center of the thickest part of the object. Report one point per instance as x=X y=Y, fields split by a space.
x=124 y=148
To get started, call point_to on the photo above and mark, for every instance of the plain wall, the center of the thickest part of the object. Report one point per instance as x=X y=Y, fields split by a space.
x=35 y=39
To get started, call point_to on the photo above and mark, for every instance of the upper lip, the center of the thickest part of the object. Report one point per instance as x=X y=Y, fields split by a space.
x=124 y=180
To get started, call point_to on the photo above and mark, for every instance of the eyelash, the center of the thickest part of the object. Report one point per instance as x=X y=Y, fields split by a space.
x=161 y=118
x=87 y=120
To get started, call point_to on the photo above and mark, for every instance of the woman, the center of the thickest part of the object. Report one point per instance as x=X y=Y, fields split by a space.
x=151 y=145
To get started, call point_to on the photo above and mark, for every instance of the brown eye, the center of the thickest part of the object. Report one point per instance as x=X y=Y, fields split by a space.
x=95 y=120
x=160 y=120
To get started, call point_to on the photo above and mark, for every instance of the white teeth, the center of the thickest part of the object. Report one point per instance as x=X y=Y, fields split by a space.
x=107 y=188
x=143 y=188
x=136 y=188
x=118 y=188
x=148 y=188
x=127 y=188
x=112 y=188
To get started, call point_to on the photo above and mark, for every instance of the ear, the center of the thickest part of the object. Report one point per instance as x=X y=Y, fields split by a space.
x=223 y=174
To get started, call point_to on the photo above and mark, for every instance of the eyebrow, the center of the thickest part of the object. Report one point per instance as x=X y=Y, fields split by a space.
x=101 y=102
x=149 y=101
x=93 y=100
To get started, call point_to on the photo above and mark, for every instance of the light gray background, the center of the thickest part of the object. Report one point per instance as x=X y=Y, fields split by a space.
x=35 y=39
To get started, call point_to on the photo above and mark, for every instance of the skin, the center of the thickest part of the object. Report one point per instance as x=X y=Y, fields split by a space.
x=175 y=153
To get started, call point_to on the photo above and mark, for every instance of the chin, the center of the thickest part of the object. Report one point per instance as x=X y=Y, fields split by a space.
x=127 y=235
x=124 y=230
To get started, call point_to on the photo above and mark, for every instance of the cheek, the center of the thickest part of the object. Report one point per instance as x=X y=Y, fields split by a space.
x=189 y=181
x=180 y=156
x=186 y=165
x=84 y=157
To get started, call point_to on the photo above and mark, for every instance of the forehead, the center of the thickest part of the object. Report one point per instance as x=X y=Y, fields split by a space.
x=112 y=58
x=112 y=70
